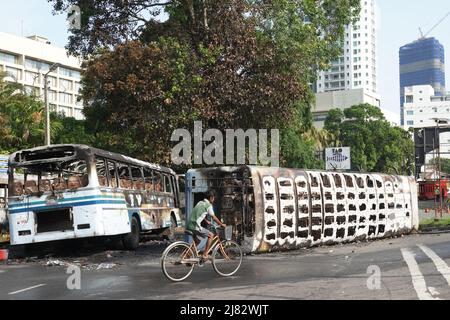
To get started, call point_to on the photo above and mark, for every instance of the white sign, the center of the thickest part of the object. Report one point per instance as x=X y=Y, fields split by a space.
x=338 y=159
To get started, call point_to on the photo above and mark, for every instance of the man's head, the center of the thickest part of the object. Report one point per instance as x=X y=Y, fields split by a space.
x=211 y=196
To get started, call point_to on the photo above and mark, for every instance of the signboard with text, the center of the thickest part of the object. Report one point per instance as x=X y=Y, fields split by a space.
x=338 y=159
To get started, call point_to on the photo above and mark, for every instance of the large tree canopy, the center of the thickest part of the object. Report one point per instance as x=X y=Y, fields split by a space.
x=155 y=66
x=376 y=146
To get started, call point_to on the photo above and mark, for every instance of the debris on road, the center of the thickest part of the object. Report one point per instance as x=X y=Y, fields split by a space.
x=106 y=266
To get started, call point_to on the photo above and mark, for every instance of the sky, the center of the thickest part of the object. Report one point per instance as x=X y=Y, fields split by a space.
x=399 y=22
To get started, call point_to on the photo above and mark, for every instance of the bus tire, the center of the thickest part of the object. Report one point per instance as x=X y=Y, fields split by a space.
x=131 y=240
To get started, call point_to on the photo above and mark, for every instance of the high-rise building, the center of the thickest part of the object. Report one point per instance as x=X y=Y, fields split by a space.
x=352 y=78
x=422 y=62
x=27 y=60
x=356 y=68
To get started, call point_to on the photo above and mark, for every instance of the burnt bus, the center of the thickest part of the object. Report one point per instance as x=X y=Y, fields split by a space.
x=279 y=209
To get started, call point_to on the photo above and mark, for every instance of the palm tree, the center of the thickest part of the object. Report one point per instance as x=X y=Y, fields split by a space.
x=321 y=138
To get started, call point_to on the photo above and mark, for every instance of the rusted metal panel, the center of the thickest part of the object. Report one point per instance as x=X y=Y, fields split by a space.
x=298 y=208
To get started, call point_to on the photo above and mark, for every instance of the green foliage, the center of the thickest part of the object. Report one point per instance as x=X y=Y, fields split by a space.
x=231 y=63
x=22 y=121
x=376 y=146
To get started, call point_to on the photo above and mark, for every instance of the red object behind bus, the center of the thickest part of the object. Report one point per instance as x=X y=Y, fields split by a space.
x=427 y=189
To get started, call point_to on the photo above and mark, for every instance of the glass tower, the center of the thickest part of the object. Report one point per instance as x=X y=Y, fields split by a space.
x=422 y=62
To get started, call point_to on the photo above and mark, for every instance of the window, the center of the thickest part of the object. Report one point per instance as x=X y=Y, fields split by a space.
x=69 y=73
x=52 y=96
x=112 y=174
x=158 y=181
x=168 y=184
x=138 y=179
x=123 y=172
x=65 y=98
x=410 y=113
x=410 y=123
x=78 y=113
x=37 y=65
x=77 y=87
x=51 y=81
x=32 y=78
x=65 y=85
x=148 y=179
x=14 y=73
x=8 y=58
x=100 y=164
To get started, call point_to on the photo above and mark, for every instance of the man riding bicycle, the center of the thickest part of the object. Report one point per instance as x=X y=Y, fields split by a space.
x=202 y=210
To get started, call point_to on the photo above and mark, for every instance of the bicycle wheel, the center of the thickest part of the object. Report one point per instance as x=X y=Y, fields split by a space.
x=227 y=258
x=178 y=261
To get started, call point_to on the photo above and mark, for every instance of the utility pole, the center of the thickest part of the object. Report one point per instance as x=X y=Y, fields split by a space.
x=47 y=104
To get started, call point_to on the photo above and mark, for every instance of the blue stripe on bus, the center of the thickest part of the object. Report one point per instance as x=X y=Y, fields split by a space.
x=66 y=205
x=15 y=205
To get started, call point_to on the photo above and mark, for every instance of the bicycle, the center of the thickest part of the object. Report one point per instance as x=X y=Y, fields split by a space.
x=180 y=258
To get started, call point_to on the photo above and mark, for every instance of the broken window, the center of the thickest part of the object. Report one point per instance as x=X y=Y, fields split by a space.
x=337 y=181
x=101 y=172
x=168 y=185
x=158 y=181
x=369 y=182
x=148 y=180
x=360 y=182
x=348 y=181
x=314 y=182
x=124 y=176
x=326 y=181
x=138 y=179
x=51 y=176
x=112 y=174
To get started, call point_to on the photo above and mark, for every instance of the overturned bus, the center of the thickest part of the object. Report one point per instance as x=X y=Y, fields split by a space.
x=279 y=209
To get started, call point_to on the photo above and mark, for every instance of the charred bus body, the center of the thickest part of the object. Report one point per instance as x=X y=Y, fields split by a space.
x=278 y=209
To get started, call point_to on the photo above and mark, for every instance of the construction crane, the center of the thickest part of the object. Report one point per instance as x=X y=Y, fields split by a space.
x=423 y=36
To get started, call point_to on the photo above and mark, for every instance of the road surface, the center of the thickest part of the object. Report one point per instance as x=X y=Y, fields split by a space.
x=411 y=267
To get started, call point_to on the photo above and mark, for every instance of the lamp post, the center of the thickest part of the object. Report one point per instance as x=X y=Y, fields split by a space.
x=437 y=134
x=47 y=104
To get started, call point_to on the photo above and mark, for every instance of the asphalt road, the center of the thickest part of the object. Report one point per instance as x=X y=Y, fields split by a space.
x=410 y=267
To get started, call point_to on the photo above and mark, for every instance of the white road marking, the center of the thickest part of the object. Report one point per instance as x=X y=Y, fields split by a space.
x=417 y=278
x=438 y=262
x=433 y=291
x=26 y=289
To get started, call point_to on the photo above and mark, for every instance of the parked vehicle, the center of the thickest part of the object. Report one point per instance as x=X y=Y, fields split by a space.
x=277 y=208
x=4 y=225
x=429 y=190
x=75 y=191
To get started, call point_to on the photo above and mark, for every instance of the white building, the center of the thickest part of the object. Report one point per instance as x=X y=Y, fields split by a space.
x=422 y=107
x=27 y=60
x=340 y=100
x=356 y=68
x=352 y=78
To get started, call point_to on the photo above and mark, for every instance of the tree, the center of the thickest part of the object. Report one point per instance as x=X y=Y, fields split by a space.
x=22 y=122
x=232 y=64
x=375 y=144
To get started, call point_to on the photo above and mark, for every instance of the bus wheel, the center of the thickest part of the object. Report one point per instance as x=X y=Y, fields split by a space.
x=131 y=240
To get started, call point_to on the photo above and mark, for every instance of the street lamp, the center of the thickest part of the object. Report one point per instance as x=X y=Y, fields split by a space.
x=47 y=104
x=437 y=134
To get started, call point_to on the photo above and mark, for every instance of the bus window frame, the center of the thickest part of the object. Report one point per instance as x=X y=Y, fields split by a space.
x=109 y=161
x=133 y=181
x=105 y=163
